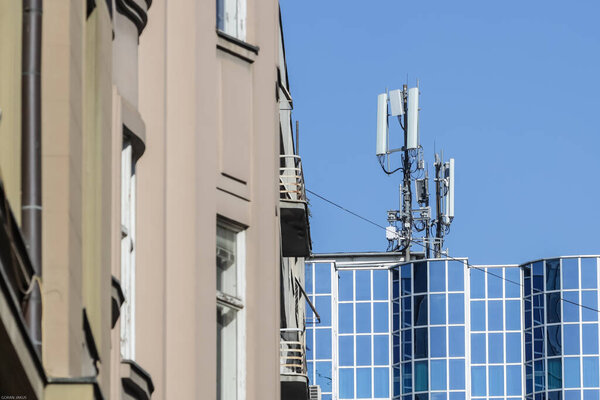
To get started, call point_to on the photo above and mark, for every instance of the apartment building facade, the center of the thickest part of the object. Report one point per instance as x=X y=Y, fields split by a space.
x=443 y=329
x=173 y=219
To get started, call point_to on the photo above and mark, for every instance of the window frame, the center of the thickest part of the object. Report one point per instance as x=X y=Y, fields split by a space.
x=237 y=27
x=236 y=303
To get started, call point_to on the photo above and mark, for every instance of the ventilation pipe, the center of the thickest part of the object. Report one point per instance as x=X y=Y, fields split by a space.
x=31 y=158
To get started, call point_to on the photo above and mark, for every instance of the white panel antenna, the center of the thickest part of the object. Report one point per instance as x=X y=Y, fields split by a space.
x=382 y=124
x=451 y=189
x=412 y=128
x=396 y=103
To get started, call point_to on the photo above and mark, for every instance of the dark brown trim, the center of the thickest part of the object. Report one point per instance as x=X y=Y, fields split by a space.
x=238 y=42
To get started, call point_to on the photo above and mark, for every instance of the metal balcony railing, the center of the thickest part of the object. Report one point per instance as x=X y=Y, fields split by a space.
x=16 y=271
x=292 y=351
x=291 y=178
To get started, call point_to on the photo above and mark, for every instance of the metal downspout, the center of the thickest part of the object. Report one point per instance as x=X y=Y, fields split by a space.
x=31 y=158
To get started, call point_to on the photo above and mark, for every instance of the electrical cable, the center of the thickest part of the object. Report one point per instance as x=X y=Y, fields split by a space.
x=485 y=270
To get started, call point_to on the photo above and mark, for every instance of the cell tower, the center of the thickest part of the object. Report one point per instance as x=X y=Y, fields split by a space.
x=410 y=226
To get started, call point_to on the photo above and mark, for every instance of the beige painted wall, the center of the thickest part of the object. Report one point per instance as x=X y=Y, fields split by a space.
x=206 y=113
x=10 y=102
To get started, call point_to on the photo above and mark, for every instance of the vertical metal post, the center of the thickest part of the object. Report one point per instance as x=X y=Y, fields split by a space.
x=31 y=157
x=438 y=207
x=407 y=204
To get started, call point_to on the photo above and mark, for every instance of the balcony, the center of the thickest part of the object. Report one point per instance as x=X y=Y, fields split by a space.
x=294 y=381
x=20 y=361
x=295 y=228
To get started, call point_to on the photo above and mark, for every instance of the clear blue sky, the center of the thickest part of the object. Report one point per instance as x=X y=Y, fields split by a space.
x=510 y=89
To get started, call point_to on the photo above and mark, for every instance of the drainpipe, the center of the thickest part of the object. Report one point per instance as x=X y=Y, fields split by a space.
x=31 y=158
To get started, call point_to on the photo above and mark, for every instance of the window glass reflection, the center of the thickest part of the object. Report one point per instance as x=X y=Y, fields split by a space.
x=590 y=372
x=363 y=383
x=323 y=343
x=438 y=341
x=381 y=382
x=456 y=337
x=363 y=317
x=421 y=376
x=406 y=311
x=554 y=343
x=572 y=375
x=456 y=276
x=407 y=378
x=496 y=380
x=570 y=273
x=363 y=285
x=346 y=383
x=589 y=336
x=554 y=373
x=538 y=276
x=308 y=286
x=495 y=317
x=380 y=317
x=478 y=381
x=438 y=374
x=420 y=274
x=538 y=342
x=512 y=285
x=494 y=283
x=420 y=342
x=478 y=315
x=553 y=304
x=456 y=308
x=322 y=278
x=513 y=315
x=346 y=350
x=438 y=309
x=538 y=309
x=437 y=276
x=406 y=280
x=478 y=348
x=420 y=310
x=571 y=336
x=380 y=350
x=363 y=350
x=407 y=345
x=346 y=285
x=588 y=273
x=589 y=299
x=323 y=306
x=346 y=318
x=380 y=285
x=552 y=275
x=570 y=306
x=540 y=375
x=323 y=375
x=513 y=380
x=496 y=348
x=457 y=375
x=513 y=347
x=477 y=283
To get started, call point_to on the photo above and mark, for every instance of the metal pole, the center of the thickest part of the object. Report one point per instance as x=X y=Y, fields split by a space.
x=407 y=206
x=31 y=157
x=438 y=207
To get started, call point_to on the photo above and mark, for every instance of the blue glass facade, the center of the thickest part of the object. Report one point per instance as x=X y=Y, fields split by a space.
x=437 y=329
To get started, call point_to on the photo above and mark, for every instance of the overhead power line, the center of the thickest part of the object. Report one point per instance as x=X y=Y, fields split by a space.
x=485 y=270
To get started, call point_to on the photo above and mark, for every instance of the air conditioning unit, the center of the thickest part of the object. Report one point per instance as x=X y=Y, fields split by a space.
x=314 y=392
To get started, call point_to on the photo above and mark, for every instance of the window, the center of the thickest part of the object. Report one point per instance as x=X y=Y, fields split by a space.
x=128 y=249
x=231 y=18
x=230 y=308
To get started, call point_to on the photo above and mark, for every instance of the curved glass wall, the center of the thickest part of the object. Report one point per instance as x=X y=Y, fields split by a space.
x=561 y=329
x=496 y=332
x=429 y=330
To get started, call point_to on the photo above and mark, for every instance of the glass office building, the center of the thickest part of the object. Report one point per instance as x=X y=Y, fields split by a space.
x=439 y=329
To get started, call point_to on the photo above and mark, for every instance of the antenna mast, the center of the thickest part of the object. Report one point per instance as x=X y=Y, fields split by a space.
x=409 y=225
